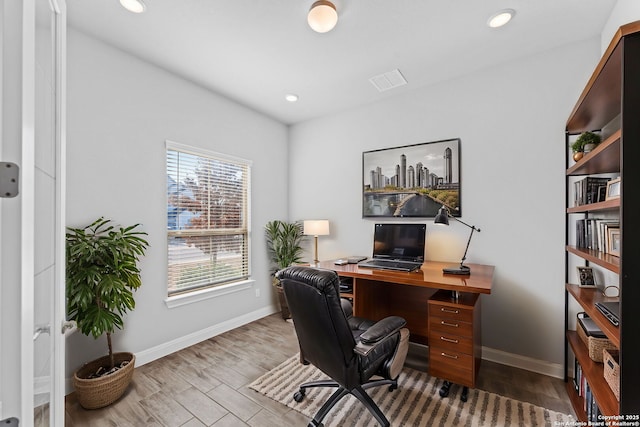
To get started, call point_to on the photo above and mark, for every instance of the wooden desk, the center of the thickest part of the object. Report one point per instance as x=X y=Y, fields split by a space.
x=381 y=293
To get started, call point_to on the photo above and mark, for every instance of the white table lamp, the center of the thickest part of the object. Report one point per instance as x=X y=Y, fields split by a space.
x=315 y=228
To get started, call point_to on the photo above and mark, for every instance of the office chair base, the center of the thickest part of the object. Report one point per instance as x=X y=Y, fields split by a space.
x=358 y=392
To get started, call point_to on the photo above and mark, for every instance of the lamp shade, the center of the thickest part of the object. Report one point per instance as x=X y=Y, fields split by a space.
x=442 y=217
x=322 y=16
x=316 y=227
x=135 y=6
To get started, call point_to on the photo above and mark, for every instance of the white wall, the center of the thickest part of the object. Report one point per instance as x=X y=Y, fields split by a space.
x=510 y=119
x=120 y=112
x=624 y=12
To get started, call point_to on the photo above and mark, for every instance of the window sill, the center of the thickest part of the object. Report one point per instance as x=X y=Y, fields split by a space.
x=204 y=294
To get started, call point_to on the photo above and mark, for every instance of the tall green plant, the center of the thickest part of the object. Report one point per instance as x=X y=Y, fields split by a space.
x=102 y=273
x=283 y=243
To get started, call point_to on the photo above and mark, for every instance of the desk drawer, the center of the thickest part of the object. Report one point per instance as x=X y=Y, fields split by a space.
x=449 y=342
x=450 y=326
x=451 y=366
x=456 y=312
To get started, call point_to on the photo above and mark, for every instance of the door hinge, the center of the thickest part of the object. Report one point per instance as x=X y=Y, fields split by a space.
x=9 y=173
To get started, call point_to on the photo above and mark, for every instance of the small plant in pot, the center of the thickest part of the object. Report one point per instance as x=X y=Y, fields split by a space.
x=283 y=246
x=586 y=142
x=101 y=275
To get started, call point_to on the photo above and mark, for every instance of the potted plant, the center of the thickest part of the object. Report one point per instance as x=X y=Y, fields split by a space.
x=283 y=246
x=101 y=274
x=586 y=142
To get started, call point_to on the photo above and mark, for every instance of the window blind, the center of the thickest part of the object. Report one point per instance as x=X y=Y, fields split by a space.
x=207 y=219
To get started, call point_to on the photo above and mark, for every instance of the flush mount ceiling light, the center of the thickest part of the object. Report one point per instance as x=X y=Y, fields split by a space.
x=292 y=97
x=135 y=6
x=322 y=16
x=500 y=18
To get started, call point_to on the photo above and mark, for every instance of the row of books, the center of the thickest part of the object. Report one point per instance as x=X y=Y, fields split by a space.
x=589 y=403
x=594 y=233
x=590 y=190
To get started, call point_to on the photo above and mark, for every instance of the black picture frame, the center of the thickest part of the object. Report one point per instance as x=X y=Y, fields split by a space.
x=412 y=181
x=586 y=277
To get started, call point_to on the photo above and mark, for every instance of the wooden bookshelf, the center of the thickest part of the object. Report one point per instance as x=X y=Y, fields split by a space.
x=609 y=103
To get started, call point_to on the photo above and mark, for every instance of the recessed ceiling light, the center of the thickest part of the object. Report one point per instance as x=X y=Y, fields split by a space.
x=291 y=97
x=135 y=6
x=500 y=18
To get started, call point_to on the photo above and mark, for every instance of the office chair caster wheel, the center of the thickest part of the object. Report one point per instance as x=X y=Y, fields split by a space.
x=465 y=394
x=298 y=396
x=444 y=390
x=393 y=387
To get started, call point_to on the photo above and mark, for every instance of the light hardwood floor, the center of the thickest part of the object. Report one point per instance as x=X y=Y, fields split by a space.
x=207 y=384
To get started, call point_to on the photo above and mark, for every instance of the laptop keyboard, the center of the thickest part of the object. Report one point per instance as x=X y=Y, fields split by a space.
x=391 y=265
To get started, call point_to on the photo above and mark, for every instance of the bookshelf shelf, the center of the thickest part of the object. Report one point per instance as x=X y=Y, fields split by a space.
x=608 y=261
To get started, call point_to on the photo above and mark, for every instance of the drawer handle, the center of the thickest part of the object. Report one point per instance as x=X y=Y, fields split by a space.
x=446 y=310
x=454 y=325
x=450 y=356
x=449 y=340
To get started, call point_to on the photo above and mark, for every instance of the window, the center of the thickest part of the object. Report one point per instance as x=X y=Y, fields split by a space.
x=207 y=219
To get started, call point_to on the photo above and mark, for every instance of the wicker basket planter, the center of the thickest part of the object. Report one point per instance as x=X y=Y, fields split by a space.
x=97 y=393
x=284 y=307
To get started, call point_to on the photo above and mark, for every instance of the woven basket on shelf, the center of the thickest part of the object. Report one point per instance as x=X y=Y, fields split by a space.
x=612 y=370
x=595 y=345
x=99 y=392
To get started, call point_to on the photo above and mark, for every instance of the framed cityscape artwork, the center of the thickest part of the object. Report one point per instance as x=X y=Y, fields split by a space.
x=412 y=181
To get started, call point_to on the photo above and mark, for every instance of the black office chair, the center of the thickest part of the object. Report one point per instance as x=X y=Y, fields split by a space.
x=350 y=350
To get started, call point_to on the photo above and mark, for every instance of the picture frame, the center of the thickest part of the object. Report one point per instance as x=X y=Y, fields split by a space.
x=412 y=181
x=586 y=277
x=613 y=189
x=613 y=242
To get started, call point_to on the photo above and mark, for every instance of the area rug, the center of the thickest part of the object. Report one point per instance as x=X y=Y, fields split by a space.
x=415 y=403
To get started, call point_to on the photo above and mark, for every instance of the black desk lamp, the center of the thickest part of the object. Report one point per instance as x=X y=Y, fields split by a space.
x=443 y=218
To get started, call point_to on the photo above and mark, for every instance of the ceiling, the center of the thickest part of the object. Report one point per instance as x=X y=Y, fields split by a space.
x=257 y=51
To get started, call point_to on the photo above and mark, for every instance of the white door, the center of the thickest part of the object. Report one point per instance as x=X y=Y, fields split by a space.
x=49 y=296
x=32 y=223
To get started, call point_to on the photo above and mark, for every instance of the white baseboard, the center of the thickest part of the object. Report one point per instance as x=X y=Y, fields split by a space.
x=162 y=350
x=169 y=347
x=523 y=362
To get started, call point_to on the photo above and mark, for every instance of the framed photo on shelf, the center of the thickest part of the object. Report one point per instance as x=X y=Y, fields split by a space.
x=613 y=189
x=586 y=276
x=613 y=241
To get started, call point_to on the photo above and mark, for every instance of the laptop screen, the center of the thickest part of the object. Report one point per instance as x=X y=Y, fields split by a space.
x=399 y=241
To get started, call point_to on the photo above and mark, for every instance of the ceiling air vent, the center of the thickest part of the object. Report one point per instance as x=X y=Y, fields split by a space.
x=388 y=80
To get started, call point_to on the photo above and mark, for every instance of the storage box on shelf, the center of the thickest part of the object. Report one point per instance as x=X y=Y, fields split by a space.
x=609 y=104
x=612 y=370
x=595 y=344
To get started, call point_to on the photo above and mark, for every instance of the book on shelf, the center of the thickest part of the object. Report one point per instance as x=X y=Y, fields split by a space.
x=588 y=190
x=593 y=233
x=583 y=389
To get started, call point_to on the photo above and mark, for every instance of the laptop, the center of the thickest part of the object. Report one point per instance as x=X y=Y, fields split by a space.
x=610 y=310
x=397 y=247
